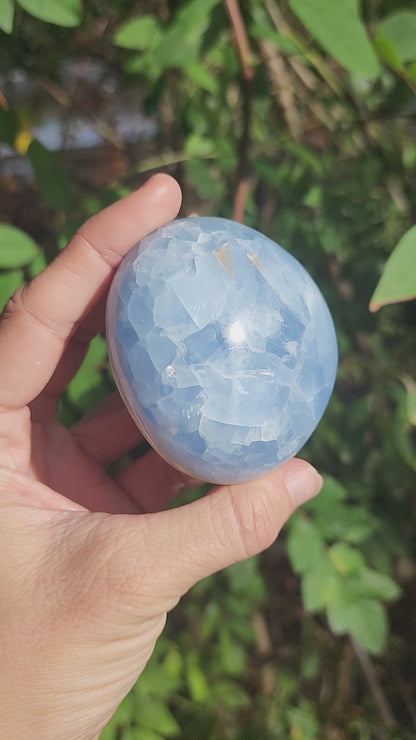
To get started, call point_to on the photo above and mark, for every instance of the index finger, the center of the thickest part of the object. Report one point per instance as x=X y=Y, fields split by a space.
x=39 y=320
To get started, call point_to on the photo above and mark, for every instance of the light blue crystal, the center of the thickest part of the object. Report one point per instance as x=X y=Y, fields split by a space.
x=222 y=347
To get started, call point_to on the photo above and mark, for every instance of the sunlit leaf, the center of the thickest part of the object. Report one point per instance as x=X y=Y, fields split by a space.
x=319 y=585
x=374 y=585
x=16 y=247
x=398 y=281
x=60 y=12
x=183 y=38
x=364 y=619
x=6 y=15
x=337 y=26
x=399 y=30
x=347 y=559
x=141 y=33
x=305 y=545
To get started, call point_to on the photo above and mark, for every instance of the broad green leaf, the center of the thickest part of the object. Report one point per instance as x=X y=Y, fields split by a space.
x=141 y=733
x=87 y=388
x=364 y=619
x=9 y=282
x=196 y=679
x=51 y=178
x=183 y=39
x=154 y=715
x=371 y=584
x=16 y=247
x=303 y=721
x=337 y=26
x=398 y=281
x=38 y=264
x=60 y=12
x=399 y=30
x=6 y=15
x=200 y=146
x=410 y=386
x=305 y=545
x=156 y=680
x=388 y=53
x=141 y=33
x=199 y=74
x=319 y=585
x=346 y=559
x=232 y=655
x=245 y=580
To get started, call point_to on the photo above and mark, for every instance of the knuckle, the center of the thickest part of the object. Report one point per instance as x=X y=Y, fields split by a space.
x=14 y=304
x=256 y=518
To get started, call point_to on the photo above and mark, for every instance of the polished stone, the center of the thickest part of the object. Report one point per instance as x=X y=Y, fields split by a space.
x=222 y=347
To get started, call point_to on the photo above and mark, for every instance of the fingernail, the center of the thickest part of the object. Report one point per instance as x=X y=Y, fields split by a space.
x=303 y=483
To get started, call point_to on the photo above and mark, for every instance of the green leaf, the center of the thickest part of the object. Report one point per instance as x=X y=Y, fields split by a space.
x=87 y=388
x=16 y=247
x=410 y=403
x=399 y=30
x=141 y=733
x=305 y=545
x=200 y=146
x=51 y=179
x=346 y=559
x=364 y=619
x=319 y=586
x=231 y=653
x=154 y=715
x=9 y=282
x=6 y=15
x=142 y=34
x=199 y=74
x=398 y=281
x=337 y=26
x=183 y=39
x=374 y=585
x=196 y=680
x=388 y=53
x=60 y=12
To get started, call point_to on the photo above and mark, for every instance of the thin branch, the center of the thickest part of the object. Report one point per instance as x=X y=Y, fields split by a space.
x=243 y=46
x=245 y=55
x=374 y=685
x=282 y=84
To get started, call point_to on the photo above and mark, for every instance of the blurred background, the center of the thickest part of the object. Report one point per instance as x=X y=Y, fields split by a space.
x=297 y=117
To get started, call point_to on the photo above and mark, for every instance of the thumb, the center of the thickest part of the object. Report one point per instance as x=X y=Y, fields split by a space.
x=230 y=524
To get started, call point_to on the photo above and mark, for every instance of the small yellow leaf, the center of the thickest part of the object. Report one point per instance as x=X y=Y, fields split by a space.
x=23 y=140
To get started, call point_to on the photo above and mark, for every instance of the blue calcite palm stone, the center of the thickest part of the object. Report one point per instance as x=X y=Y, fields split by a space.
x=222 y=347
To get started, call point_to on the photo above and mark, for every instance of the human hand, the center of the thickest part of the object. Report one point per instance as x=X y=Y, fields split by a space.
x=89 y=564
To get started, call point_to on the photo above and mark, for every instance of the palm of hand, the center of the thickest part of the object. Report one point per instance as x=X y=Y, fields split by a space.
x=84 y=585
x=53 y=480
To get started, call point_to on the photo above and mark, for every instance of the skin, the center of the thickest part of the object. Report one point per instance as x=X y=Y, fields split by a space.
x=91 y=565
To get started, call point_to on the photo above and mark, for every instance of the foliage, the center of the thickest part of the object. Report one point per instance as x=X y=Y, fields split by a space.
x=301 y=119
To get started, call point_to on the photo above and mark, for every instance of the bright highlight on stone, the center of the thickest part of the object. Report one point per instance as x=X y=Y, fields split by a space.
x=222 y=347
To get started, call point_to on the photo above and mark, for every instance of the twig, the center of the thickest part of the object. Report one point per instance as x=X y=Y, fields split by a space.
x=265 y=648
x=241 y=39
x=282 y=84
x=374 y=685
x=161 y=160
x=245 y=55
